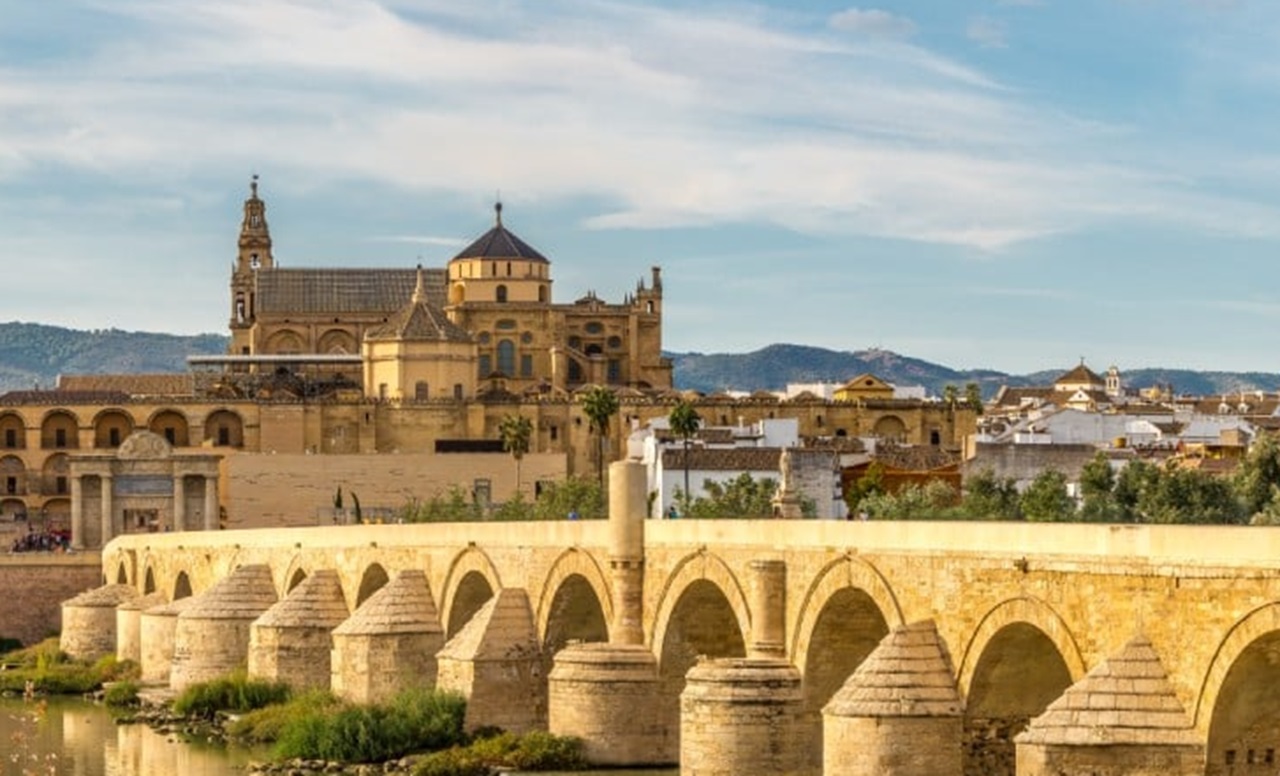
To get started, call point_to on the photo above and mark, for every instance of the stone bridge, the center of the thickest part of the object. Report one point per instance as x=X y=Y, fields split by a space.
x=1024 y=618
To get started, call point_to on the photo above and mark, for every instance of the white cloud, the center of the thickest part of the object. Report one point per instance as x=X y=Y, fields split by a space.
x=672 y=118
x=872 y=21
x=987 y=32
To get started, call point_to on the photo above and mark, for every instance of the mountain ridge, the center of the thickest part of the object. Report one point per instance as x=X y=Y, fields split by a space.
x=34 y=354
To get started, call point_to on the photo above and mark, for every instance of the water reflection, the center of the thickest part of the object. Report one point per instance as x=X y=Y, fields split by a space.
x=70 y=737
x=64 y=737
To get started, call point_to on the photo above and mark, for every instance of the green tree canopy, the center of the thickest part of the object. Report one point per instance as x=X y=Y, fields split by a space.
x=599 y=404
x=685 y=422
x=1046 y=499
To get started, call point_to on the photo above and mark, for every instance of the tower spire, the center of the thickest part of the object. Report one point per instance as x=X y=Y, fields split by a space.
x=420 y=289
x=497 y=211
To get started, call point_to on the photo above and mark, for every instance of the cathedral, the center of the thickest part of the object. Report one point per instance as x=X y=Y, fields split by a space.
x=389 y=385
x=486 y=321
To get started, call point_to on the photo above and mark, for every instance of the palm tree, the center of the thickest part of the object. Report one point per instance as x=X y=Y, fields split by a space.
x=599 y=404
x=516 y=432
x=685 y=420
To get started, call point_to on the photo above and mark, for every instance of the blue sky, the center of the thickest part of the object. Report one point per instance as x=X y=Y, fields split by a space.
x=1010 y=184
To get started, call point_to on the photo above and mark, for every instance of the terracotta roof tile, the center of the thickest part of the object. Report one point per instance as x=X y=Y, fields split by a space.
x=174 y=384
x=302 y=291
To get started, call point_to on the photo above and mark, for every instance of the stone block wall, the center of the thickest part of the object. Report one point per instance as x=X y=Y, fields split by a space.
x=38 y=584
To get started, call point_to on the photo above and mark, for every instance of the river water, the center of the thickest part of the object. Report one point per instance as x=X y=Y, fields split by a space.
x=72 y=737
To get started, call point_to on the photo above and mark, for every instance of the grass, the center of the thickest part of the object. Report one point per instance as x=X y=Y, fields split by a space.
x=236 y=693
x=537 y=751
x=121 y=694
x=265 y=725
x=52 y=672
x=414 y=721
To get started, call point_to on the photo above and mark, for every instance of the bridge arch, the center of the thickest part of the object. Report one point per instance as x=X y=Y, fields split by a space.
x=149 y=581
x=294 y=573
x=181 y=586
x=470 y=575
x=371 y=581
x=1020 y=659
x=846 y=612
x=575 y=577
x=699 y=566
x=1244 y=672
x=1024 y=610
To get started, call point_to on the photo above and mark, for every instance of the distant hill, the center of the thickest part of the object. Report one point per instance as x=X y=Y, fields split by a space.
x=34 y=354
x=773 y=367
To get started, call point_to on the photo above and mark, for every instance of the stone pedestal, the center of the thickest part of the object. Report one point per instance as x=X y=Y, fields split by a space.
x=744 y=717
x=607 y=696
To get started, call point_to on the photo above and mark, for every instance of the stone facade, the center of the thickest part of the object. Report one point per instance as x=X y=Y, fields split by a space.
x=45 y=582
x=129 y=625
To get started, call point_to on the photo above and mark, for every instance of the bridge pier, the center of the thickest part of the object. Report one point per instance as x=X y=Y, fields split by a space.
x=290 y=641
x=607 y=695
x=129 y=626
x=745 y=716
x=212 y=635
x=389 y=643
x=1122 y=719
x=496 y=663
x=899 y=714
x=89 y=621
x=157 y=627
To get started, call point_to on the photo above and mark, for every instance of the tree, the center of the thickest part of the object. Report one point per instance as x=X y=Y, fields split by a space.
x=869 y=484
x=987 y=497
x=950 y=395
x=1257 y=480
x=516 y=432
x=1046 y=499
x=685 y=421
x=1097 y=483
x=741 y=497
x=599 y=404
x=973 y=397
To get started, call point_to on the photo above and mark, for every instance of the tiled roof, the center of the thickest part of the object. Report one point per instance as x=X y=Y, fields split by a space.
x=752 y=459
x=915 y=458
x=316 y=602
x=1125 y=700
x=498 y=243
x=64 y=397
x=176 y=384
x=1081 y=374
x=301 y=291
x=403 y=605
x=421 y=322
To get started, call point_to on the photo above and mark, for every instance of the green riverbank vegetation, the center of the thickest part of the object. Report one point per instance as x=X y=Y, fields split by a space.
x=44 y=669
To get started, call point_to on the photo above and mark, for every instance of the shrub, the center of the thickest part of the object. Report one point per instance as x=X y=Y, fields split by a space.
x=121 y=694
x=542 y=751
x=265 y=725
x=451 y=762
x=415 y=720
x=236 y=692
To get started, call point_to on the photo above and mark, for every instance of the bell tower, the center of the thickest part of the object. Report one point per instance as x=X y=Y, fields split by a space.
x=254 y=254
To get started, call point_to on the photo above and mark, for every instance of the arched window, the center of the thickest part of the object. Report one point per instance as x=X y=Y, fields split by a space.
x=507 y=357
x=542 y=293
x=502 y=293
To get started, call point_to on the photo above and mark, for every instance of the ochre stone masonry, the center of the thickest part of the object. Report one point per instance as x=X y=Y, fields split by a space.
x=45 y=582
x=1023 y=612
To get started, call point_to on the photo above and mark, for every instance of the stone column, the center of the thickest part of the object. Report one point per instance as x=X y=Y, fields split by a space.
x=210 y=503
x=769 y=606
x=77 y=515
x=179 y=502
x=108 y=518
x=627 y=504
